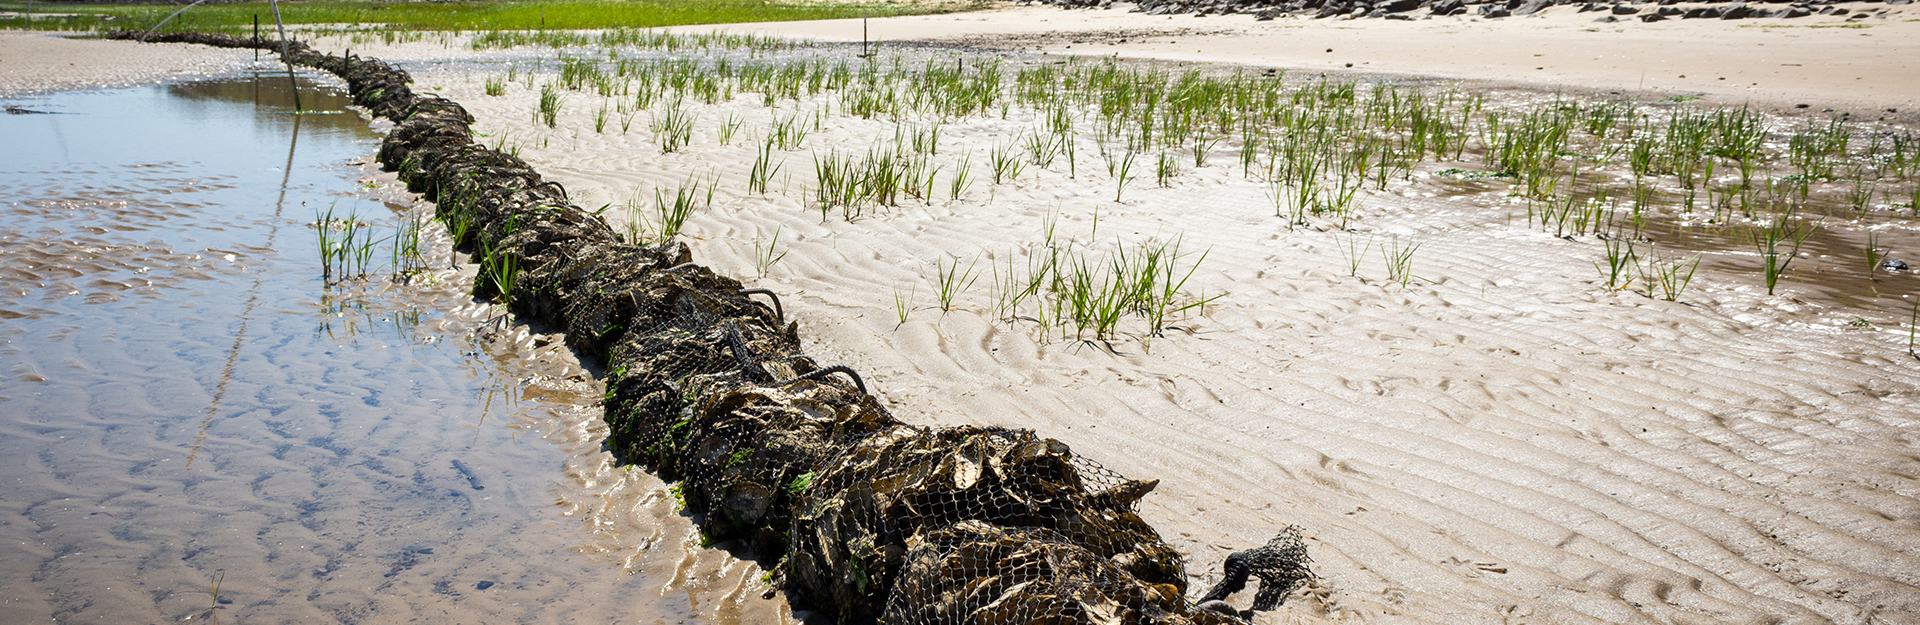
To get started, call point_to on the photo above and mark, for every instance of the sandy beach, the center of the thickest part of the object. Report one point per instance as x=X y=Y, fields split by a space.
x=1497 y=437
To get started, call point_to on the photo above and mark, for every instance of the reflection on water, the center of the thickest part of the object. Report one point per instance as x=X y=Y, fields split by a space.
x=187 y=406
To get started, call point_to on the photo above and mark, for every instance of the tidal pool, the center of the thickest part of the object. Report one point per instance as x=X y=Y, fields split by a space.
x=195 y=425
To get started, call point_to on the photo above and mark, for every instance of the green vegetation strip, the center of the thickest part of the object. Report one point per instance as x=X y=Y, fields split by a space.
x=550 y=14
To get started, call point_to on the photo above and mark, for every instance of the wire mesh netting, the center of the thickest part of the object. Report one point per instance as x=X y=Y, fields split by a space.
x=877 y=520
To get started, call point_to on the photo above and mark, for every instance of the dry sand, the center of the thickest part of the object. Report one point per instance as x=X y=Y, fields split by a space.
x=1501 y=441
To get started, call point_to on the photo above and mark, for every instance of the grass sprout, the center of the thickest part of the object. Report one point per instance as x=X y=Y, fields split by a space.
x=953 y=281
x=765 y=256
x=1399 y=259
x=1778 y=240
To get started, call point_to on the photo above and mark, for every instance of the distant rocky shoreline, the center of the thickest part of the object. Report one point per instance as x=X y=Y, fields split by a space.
x=1618 y=10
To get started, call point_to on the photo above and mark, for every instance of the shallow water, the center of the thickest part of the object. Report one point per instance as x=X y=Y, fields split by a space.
x=195 y=426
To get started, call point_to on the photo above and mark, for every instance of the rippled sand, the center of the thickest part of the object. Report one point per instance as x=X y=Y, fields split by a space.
x=1499 y=440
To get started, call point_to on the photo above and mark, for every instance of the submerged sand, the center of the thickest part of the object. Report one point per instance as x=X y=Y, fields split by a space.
x=1502 y=440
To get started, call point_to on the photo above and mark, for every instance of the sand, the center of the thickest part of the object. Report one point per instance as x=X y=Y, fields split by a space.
x=1502 y=440
x=39 y=62
x=1867 y=65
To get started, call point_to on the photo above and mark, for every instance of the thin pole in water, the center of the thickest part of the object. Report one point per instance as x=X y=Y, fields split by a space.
x=256 y=36
x=863 y=34
x=285 y=53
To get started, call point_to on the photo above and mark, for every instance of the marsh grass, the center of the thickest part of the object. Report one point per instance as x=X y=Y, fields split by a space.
x=1006 y=165
x=1913 y=330
x=213 y=588
x=728 y=129
x=673 y=127
x=1354 y=254
x=1874 y=253
x=409 y=252
x=903 y=305
x=548 y=111
x=1620 y=263
x=671 y=210
x=1399 y=259
x=962 y=177
x=789 y=133
x=346 y=246
x=1778 y=241
x=1668 y=278
x=1321 y=147
x=953 y=280
x=855 y=183
x=499 y=271
x=764 y=167
x=765 y=256
x=1085 y=294
x=1122 y=174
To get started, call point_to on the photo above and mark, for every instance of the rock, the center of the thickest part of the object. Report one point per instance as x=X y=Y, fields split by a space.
x=1653 y=17
x=1735 y=11
x=1606 y=19
x=1701 y=13
x=1670 y=11
x=1532 y=6
x=1267 y=15
x=1448 y=7
x=1400 y=6
x=1893 y=264
x=1793 y=12
x=1622 y=9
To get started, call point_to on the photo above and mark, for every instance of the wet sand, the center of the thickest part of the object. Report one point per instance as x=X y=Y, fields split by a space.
x=39 y=62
